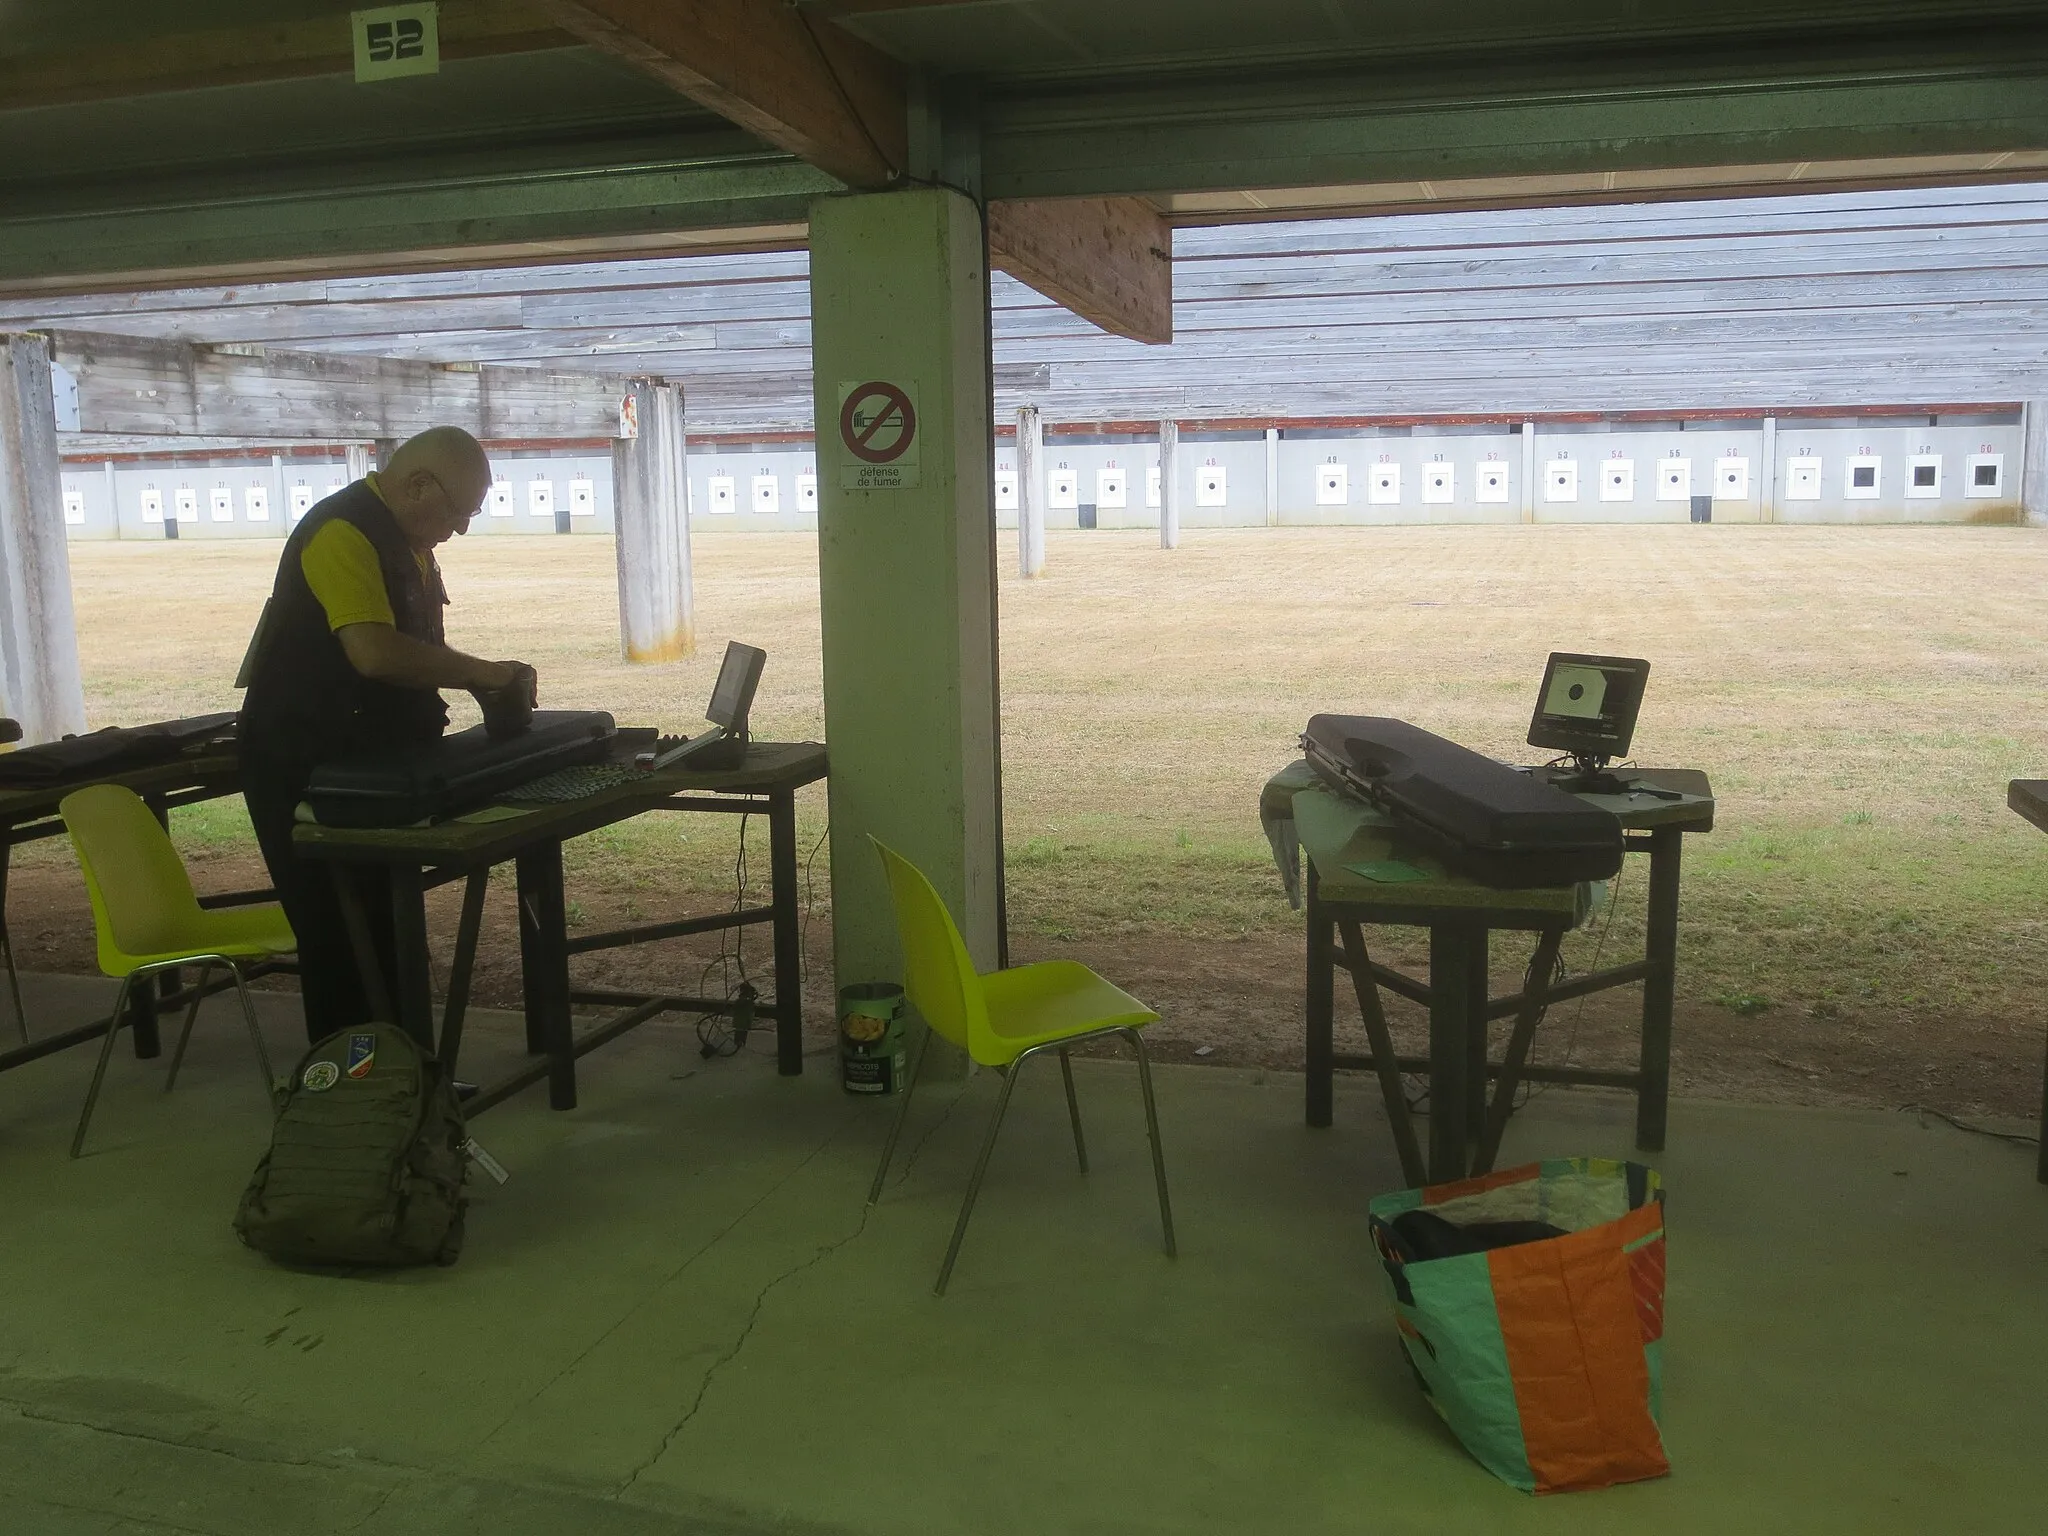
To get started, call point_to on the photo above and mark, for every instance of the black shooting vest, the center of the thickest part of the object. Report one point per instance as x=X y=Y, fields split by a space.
x=306 y=704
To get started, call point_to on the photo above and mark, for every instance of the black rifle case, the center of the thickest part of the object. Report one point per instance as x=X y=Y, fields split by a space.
x=1480 y=817
x=457 y=773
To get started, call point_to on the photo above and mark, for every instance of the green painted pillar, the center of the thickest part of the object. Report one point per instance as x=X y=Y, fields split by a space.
x=906 y=561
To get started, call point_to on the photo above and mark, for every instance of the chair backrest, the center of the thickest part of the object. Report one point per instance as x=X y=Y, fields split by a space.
x=142 y=900
x=938 y=977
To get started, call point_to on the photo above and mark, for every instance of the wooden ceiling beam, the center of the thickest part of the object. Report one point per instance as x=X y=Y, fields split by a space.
x=814 y=89
x=1108 y=259
x=278 y=50
x=803 y=85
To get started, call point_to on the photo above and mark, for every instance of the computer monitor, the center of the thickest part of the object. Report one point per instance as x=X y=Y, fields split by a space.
x=1587 y=706
x=732 y=696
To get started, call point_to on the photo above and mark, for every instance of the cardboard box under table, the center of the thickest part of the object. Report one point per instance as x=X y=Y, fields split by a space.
x=416 y=859
x=1340 y=835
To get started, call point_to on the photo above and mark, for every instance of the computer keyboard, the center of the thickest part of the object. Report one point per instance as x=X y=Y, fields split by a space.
x=574 y=783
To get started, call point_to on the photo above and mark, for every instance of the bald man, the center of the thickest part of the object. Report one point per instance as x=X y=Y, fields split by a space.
x=349 y=658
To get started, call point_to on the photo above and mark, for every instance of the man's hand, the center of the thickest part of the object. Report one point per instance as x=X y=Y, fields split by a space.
x=507 y=674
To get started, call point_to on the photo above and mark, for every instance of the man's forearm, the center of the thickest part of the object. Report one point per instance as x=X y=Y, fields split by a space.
x=385 y=656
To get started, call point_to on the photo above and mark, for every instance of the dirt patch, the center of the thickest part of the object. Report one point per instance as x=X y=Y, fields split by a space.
x=1865 y=923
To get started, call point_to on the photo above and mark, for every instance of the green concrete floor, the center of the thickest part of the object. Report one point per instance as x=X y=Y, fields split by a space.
x=675 y=1318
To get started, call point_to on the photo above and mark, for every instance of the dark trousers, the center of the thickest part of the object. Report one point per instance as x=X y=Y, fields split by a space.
x=330 y=983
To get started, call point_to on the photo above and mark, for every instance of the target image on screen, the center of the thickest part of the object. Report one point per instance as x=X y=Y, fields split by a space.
x=1587 y=705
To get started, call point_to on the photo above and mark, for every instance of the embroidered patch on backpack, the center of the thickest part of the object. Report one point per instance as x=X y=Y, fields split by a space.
x=320 y=1076
x=362 y=1054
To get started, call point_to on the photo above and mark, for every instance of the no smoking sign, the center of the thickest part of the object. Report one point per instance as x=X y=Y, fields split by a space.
x=878 y=429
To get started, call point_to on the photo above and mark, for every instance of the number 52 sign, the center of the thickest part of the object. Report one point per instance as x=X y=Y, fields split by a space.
x=396 y=40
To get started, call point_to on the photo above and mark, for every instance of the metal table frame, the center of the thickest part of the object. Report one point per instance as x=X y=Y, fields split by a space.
x=418 y=859
x=1465 y=1128
x=31 y=816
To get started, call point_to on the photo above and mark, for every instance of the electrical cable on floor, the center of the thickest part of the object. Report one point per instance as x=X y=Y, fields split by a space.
x=714 y=1036
x=2015 y=1137
x=1529 y=1090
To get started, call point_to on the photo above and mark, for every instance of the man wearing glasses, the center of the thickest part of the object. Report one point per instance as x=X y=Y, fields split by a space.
x=349 y=657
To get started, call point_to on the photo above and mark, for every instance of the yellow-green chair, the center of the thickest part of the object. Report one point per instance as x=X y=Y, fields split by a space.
x=149 y=921
x=1001 y=1019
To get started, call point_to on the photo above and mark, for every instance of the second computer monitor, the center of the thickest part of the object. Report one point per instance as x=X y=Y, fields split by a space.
x=732 y=696
x=1587 y=705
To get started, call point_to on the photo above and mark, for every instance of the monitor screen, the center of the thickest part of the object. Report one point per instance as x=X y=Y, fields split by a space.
x=1587 y=704
x=733 y=694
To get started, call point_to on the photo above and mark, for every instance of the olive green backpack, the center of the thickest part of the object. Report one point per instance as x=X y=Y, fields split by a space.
x=367 y=1160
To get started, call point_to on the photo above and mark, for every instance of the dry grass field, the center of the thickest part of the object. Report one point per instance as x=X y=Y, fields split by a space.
x=1866 y=923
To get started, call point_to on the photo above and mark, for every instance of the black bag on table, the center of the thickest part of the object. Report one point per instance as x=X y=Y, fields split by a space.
x=115 y=749
x=452 y=774
x=1480 y=817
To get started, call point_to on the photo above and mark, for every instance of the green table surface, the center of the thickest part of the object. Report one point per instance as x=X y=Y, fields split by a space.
x=216 y=769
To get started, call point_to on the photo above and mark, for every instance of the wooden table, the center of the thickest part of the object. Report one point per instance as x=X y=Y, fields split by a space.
x=416 y=859
x=2030 y=798
x=1465 y=1129
x=30 y=815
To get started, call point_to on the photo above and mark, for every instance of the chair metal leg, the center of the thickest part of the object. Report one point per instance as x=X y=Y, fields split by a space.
x=13 y=982
x=1152 y=1130
x=988 y=1145
x=185 y=1034
x=99 y=1072
x=270 y=1093
x=924 y=1045
x=1074 y=1110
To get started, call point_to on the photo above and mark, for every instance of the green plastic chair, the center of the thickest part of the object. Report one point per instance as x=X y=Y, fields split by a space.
x=1002 y=1019
x=148 y=920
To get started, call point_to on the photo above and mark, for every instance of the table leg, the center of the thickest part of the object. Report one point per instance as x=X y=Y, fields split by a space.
x=544 y=968
x=1542 y=971
x=1386 y=1064
x=1653 y=1093
x=1450 y=951
x=7 y=944
x=2041 y=1168
x=142 y=1000
x=412 y=987
x=463 y=968
x=789 y=958
x=1476 y=993
x=1322 y=1005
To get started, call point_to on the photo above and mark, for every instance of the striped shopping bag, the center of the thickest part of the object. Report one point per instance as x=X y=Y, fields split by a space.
x=1531 y=1305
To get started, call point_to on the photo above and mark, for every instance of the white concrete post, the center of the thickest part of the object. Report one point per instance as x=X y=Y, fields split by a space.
x=906 y=562
x=1030 y=491
x=40 y=685
x=2033 y=496
x=1272 y=476
x=113 y=496
x=651 y=515
x=1528 y=471
x=359 y=464
x=1169 y=484
x=385 y=447
x=1767 y=492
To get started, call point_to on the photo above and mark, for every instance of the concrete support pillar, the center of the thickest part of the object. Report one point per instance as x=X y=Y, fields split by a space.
x=359 y=462
x=1528 y=471
x=1272 y=476
x=113 y=497
x=1169 y=484
x=906 y=562
x=1030 y=492
x=2034 y=462
x=385 y=447
x=40 y=684
x=651 y=513
x=1767 y=474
